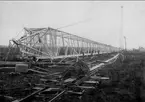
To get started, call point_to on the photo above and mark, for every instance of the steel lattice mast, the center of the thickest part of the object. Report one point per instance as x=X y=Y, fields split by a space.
x=53 y=43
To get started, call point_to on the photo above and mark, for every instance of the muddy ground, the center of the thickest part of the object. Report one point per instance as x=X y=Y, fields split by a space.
x=127 y=78
x=127 y=82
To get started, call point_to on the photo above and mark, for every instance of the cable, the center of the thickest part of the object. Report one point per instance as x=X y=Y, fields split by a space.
x=74 y=23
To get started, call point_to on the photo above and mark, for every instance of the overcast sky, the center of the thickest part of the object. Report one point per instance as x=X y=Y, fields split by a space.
x=102 y=19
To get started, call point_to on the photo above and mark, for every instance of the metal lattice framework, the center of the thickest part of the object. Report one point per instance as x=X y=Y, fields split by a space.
x=53 y=43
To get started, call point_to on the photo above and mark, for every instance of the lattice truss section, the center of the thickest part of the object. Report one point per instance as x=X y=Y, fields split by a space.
x=51 y=43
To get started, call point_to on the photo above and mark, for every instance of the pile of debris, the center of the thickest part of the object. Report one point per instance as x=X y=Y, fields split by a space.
x=40 y=85
x=76 y=70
